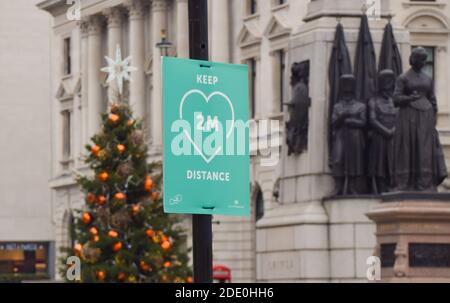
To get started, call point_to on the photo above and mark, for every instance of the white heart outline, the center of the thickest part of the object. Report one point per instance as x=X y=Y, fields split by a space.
x=207 y=98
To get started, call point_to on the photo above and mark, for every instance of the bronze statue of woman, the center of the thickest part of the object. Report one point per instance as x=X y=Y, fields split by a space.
x=382 y=117
x=419 y=163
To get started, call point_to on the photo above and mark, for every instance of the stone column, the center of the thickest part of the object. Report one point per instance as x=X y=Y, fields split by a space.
x=273 y=106
x=84 y=81
x=114 y=19
x=158 y=24
x=94 y=66
x=182 y=29
x=137 y=53
x=441 y=82
x=230 y=230
x=220 y=48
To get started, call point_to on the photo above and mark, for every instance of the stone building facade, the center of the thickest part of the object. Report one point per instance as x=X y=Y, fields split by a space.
x=293 y=234
x=26 y=226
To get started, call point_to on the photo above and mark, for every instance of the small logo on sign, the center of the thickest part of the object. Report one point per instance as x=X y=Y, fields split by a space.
x=176 y=200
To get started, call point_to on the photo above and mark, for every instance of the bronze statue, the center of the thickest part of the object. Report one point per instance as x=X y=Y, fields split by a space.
x=348 y=154
x=297 y=126
x=382 y=117
x=418 y=158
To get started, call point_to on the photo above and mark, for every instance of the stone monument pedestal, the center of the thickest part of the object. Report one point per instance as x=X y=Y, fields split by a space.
x=413 y=237
x=327 y=241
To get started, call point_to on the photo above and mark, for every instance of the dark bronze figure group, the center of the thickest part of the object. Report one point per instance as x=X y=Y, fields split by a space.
x=392 y=143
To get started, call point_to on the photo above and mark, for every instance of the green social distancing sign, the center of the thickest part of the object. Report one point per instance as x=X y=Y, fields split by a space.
x=206 y=146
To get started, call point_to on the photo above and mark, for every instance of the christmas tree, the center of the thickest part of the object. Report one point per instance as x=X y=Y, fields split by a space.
x=122 y=234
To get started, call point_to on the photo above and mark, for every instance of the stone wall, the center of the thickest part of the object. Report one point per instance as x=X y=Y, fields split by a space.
x=25 y=135
x=351 y=237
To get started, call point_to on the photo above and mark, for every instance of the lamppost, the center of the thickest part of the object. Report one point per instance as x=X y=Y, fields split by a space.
x=201 y=224
x=164 y=45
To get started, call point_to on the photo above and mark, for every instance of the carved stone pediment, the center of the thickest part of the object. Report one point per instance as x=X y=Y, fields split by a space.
x=63 y=93
x=427 y=21
x=276 y=28
x=248 y=36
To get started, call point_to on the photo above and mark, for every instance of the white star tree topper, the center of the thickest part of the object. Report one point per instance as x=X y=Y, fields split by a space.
x=118 y=69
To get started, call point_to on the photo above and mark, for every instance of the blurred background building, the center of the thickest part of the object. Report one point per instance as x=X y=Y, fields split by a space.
x=26 y=223
x=293 y=234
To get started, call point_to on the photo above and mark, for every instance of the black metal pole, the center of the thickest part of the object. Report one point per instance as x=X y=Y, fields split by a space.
x=201 y=224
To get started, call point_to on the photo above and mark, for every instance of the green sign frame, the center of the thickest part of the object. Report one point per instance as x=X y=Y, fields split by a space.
x=206 y=167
